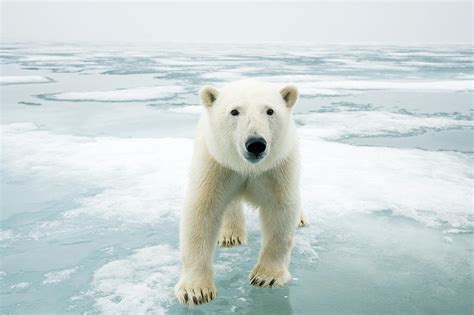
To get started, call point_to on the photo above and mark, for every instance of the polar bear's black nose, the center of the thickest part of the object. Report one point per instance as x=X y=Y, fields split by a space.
x=256 y=145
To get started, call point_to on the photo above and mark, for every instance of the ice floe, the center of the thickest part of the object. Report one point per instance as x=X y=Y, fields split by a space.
x=120 y=95
x=192 y=109
x=343 y=124
x=25 y=79
x=314 y=85
x=418 y=85
x=349 y=87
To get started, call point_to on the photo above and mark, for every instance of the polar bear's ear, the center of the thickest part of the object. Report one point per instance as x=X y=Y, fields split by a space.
x=208 y=95
x=289 y=94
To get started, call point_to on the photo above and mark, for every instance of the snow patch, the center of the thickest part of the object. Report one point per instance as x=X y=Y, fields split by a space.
x=20 y=286
x=193 y=109
x=141 y=283
x=307 y=89
x=135 y=181
x=6 y=235
x=59 y=276
x=139 y=184
x=434 y=188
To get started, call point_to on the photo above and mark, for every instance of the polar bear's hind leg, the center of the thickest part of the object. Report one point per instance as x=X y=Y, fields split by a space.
x=303 y=221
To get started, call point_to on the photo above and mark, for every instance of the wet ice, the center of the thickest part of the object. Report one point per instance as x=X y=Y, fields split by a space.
x=93 y=179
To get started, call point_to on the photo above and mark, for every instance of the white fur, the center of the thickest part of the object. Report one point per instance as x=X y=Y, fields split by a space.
x=221 y=178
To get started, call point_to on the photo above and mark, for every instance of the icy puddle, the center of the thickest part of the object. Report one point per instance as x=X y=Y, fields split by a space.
x=93 y=179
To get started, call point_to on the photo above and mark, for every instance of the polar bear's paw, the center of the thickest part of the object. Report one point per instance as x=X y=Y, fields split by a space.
x=303 y=221
x=268 y=277
x=194 y=295
x=232 y=237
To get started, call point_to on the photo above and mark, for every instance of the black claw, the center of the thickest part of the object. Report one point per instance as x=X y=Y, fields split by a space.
x=186 y=297
x=262 y=283
x=195 y=300
x=254 y=281
x=238 y=240
x=210 y=293
x=272 y=282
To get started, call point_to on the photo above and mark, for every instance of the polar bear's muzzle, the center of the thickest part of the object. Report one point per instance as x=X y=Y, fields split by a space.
x=255 y=149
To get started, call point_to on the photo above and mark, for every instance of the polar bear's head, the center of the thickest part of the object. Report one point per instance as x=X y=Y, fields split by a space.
x=248 y=124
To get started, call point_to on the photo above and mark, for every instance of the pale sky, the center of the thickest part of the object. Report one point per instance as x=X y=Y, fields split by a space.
x=317 y=22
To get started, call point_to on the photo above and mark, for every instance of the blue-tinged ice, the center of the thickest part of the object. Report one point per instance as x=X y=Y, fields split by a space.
x=94 y=174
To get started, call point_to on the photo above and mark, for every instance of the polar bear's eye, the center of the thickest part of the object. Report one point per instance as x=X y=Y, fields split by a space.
x=234 y=112
x=270 y=111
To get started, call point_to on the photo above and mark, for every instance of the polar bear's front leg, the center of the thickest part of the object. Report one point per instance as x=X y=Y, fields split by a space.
x=278 y=229
x=233 y=228
x=211 y=188
x=277 y=195
x=199 y=226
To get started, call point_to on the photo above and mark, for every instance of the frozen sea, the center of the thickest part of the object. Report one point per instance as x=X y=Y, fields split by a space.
x=96 y=144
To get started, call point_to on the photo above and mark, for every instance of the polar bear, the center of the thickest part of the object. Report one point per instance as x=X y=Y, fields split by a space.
x=246 y=149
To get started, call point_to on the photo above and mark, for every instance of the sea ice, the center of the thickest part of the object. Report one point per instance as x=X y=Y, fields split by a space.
x=343 y=124
x=119 y=95
x=92 y=193
x=344 y=87
x=139 y=283
x=430 y=187
x=20 y=286
x=59 y=276
x=18 y=79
